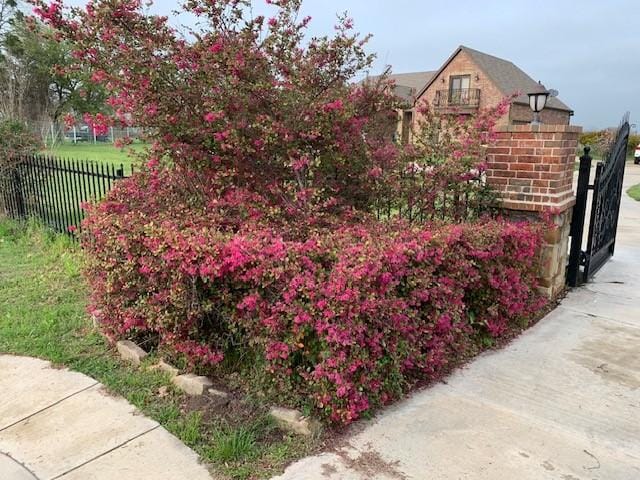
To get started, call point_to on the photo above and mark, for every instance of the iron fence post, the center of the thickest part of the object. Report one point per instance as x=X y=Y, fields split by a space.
x=18 y=194
x=577 y=222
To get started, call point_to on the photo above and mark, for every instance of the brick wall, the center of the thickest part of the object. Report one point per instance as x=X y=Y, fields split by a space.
x=519 y=114
x=531 y=166
x=490 y=96
x=462 y=64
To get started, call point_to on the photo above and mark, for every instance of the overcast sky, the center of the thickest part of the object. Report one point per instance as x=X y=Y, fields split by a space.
x=588 y=50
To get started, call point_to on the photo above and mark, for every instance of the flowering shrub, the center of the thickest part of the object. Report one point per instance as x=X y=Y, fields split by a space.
x=246 y=99
x=348 y=316
x=249 y=101
x=249 y=233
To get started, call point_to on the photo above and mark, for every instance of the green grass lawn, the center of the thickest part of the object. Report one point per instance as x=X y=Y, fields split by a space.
x=634 y=192
x=99 y=152
x=42 y=314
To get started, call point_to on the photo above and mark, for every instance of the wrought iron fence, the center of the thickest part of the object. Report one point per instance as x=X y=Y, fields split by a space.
x=457 y=97
x=52 y=189
x=421 y=198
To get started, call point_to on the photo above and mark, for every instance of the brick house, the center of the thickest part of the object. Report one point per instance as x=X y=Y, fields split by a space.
x=470 y=80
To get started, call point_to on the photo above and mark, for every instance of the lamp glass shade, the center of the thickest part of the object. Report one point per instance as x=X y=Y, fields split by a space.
x=537 y=101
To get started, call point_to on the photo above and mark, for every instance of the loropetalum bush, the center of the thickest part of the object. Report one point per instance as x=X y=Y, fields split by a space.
x=248 y=234
x=248 y=101
x=349 y=317
x=244 y=99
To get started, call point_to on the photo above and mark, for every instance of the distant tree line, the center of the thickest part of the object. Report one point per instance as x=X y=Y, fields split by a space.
x=600 y=141
x=39 y=88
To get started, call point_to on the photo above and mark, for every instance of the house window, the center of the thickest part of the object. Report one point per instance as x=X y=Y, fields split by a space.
x=459 y=86
x=407 y=120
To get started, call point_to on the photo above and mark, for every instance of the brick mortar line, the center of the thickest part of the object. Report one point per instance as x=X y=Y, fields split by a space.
x=58 y=402
x=91 y=460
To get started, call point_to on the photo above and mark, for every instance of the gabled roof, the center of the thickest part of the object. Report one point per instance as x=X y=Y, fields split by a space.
x=505 y=75
x=407 y=85
x=416 y=80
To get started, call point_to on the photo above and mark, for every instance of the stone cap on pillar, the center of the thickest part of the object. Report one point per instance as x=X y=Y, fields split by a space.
x=544 y=128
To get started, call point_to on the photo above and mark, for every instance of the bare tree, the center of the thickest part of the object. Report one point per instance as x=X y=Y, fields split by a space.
x=8 y=9
x=11 y=92
x=33 y=90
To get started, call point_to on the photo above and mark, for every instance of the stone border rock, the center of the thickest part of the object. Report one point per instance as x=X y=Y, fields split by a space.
x=294 y=421
x=195 y=385
x=189 y=383
x=167 y=368
x=131 y=352
x=214 y=392
x=192 y=384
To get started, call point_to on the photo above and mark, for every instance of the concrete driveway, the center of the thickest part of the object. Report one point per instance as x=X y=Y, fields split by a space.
x=561 y=402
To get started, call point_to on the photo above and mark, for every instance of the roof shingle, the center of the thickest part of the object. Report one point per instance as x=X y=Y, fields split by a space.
x=506 y=76
x=407 y=85
x=510 y=79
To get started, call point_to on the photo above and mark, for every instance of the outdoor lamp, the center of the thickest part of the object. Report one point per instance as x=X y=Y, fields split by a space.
x=537 y=102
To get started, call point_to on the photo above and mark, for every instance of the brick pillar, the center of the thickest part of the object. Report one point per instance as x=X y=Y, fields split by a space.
x=531 y=166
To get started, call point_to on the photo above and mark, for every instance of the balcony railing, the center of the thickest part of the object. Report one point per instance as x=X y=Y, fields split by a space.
x=457 y=98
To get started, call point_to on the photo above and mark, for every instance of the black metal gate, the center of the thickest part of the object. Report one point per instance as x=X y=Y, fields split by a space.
x=605 y=208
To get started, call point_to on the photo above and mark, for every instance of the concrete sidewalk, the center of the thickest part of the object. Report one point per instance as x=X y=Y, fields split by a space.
x=561 y=402
x=57 y=424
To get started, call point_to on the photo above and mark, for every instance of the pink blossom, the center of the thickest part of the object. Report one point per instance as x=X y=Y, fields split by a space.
x=301 y=163
x=211 y=117
x=151 y=109
x=216 y=47
x=333 y=106
x=99 y=76
x=69 y=120
x=221 y=136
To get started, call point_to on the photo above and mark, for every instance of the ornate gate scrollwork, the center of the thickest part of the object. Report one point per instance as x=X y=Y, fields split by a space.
x=605 y=209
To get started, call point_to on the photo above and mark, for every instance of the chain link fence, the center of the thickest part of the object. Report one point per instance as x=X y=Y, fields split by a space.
x=52 y=134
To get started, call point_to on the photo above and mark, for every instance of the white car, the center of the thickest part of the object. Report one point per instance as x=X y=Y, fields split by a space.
x=636 y=155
